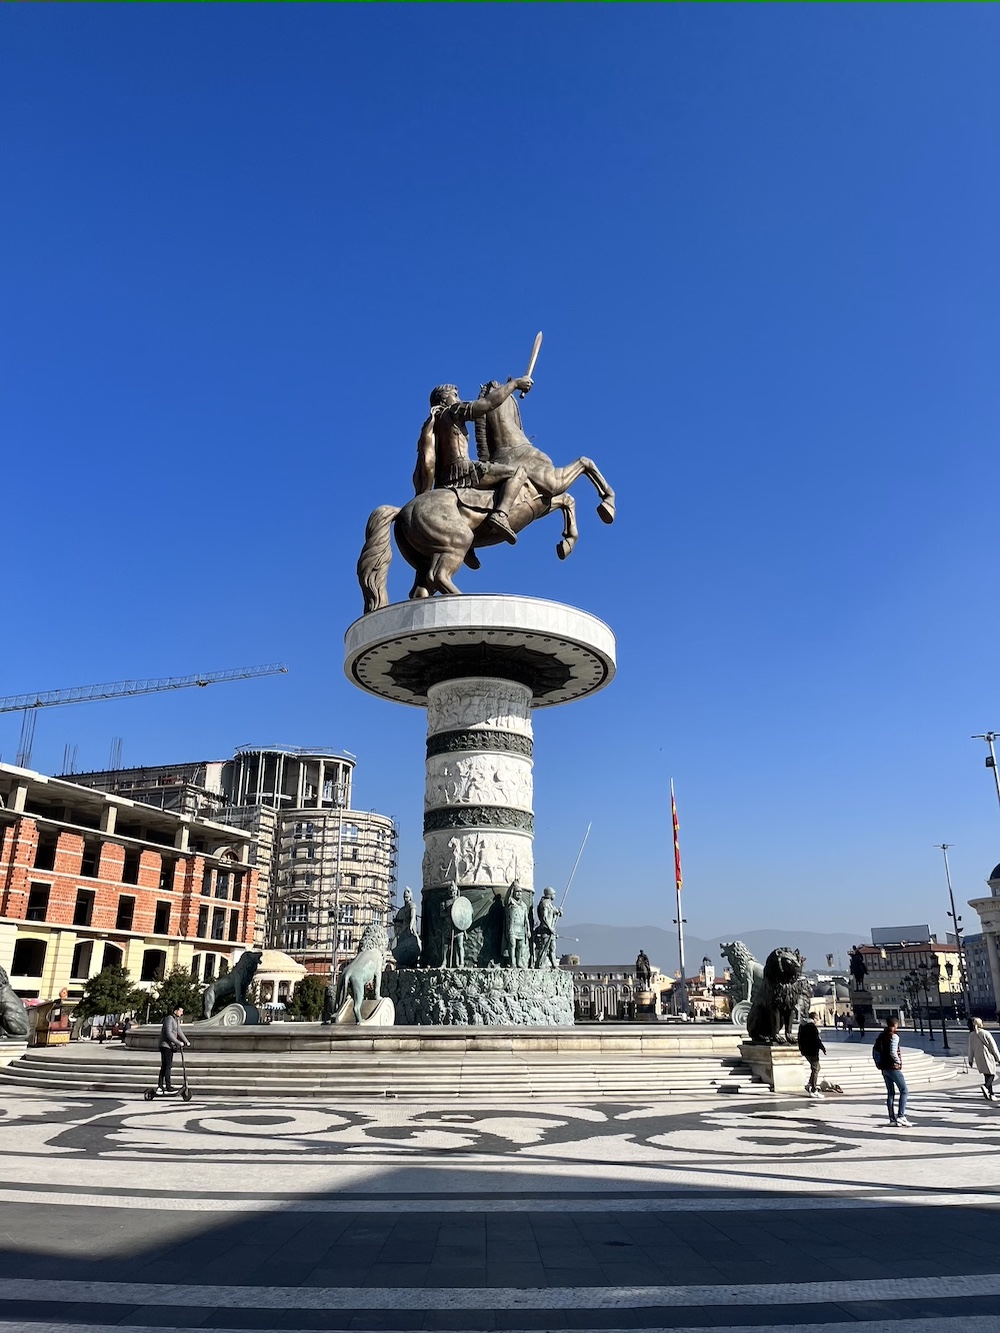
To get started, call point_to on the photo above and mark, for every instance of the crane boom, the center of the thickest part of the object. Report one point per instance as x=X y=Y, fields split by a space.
x=120 y=689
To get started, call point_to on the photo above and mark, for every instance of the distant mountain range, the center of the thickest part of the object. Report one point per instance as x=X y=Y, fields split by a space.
x=620 y=944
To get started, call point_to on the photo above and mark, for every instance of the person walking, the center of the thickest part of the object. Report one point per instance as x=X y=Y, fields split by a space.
x=984 y=1055
x=810 y=1043
x=849 y=1024
x=171 y=1040
x=891 y=1068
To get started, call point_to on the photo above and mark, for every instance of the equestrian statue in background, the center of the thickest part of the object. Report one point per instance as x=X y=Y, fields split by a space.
x=461 y=503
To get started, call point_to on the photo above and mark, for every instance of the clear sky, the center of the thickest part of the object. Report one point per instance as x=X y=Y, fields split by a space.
x=241 y=244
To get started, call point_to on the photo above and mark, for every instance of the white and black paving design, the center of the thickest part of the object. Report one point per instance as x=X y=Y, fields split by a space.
x=770 y=1213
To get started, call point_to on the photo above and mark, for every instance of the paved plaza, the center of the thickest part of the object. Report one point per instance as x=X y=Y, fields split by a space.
x=696 y=1212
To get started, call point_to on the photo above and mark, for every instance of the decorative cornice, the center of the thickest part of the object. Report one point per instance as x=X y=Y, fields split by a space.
x=480 y=816
x=504 y=742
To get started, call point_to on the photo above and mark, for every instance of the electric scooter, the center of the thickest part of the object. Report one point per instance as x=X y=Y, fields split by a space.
x=184 y=1091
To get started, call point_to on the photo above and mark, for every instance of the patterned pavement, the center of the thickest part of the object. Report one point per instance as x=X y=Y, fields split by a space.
x=756 y=1212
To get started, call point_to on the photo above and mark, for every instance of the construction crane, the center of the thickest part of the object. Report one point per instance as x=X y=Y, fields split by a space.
x=29 y=704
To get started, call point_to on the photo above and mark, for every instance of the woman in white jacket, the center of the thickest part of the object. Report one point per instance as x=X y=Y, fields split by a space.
x=984 y=1055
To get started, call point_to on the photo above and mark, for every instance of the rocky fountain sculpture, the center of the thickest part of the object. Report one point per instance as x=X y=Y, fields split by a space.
x=481 y=665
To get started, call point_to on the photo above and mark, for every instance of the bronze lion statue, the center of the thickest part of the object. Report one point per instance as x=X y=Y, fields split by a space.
x=13 y=1014
x=232 y=988
x=365 y=969
x=778 y=998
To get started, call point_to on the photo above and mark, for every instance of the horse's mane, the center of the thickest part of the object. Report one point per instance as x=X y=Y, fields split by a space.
x=483 y=451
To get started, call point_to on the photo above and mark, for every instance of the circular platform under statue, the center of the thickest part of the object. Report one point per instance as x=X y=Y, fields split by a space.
x=481 y=996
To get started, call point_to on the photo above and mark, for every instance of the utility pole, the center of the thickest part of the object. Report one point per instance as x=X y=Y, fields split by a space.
x=956 y=921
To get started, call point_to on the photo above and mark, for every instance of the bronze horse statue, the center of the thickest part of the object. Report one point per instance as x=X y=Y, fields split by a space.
x=439 y=530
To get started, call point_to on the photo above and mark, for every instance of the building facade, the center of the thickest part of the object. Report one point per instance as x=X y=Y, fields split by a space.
x=989 y=919
x=325 y=871
x=982 y=996
x=90 y=878
x=883 y=991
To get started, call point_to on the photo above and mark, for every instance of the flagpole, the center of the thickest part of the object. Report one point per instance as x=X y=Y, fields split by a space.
x=679 y=919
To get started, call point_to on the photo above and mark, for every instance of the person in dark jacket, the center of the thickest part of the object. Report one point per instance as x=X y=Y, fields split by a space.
x=891 y=1068
x=810 y=1045
x=171 y=1039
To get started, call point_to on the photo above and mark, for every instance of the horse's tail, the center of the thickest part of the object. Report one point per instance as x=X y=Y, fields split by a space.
x=373 y=563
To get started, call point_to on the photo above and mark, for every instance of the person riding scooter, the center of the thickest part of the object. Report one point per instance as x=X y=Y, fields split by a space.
x=171 y=1039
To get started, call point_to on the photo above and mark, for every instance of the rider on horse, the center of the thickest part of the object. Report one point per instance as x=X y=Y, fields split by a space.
x=443 y=452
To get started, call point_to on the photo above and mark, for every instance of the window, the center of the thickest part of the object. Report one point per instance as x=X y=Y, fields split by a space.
x=154 y=964
x=222 y=884
x=126 y=911
x=234 y=926
x=347 y=913
x=29 y=958
x=195 y=967
x=223 y=967
x=355 y=854
x=297 y=912
x=209 y=968
x=130 y=870
x=202 y=922
x=161 y=921
x=218 y=923
x=295 y=938
x=206 y=882
x=113 y=956
x=352 y=881
x=84 y=909
x=237 y=888
x=167 y=868
x=45 y=852
x=82 y=954
x=90 y=865
x=349 y=833
x=38 y=902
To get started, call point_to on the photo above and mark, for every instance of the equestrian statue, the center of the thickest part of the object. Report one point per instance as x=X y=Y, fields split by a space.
x=462 y=504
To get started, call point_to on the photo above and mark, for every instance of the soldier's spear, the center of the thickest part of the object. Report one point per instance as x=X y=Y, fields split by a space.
x=585 y=836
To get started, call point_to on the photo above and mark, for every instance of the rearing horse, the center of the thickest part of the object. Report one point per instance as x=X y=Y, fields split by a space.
x=440 y=529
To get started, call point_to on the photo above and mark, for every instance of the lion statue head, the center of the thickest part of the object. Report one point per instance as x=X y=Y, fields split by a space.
x=781 y=993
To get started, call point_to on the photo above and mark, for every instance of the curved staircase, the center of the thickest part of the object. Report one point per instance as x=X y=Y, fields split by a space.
x=503 y=1077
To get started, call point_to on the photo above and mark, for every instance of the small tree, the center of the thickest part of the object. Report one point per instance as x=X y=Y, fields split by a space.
x=177 y=988
x=110 y=992
x=308 y=998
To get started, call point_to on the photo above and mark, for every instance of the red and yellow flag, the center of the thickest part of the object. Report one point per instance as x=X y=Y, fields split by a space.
x=677 y=837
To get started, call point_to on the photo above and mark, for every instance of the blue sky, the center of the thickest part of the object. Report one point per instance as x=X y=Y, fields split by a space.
x=241 y=243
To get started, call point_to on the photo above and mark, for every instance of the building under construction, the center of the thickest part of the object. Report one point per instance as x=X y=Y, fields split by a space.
x=325 y=871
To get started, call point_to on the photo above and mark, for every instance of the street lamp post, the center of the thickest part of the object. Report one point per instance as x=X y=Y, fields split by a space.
x=989 y=737
x=922 y=972
x=936 y=977
x=914 y=992
x=956 y=921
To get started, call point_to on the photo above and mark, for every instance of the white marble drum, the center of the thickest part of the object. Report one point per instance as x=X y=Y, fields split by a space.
x=480 y=665
x=560 y=652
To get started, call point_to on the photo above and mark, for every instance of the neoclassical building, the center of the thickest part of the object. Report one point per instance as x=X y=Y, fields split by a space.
x=989 y=917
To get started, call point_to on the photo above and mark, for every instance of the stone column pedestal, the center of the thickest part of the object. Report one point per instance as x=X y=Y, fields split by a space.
x=782 y=1068
x=480 y=665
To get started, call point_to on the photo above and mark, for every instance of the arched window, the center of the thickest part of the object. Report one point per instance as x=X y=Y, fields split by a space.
x=154 y=964
x=113 y=956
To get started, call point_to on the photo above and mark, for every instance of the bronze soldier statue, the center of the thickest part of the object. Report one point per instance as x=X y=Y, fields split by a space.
x=443 y=452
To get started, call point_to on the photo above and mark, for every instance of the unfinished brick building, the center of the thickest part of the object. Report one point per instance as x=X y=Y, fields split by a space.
x=88 y=879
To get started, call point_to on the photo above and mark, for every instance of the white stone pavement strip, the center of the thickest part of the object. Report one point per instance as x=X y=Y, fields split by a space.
x=959 y=1324
x=500 y=1298
x=425 y=1203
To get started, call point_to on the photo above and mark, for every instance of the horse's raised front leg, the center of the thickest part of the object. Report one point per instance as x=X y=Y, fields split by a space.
x=556 y=481
x=570 y=531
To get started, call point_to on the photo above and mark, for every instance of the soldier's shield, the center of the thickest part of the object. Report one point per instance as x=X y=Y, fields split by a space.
x=461 y=914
